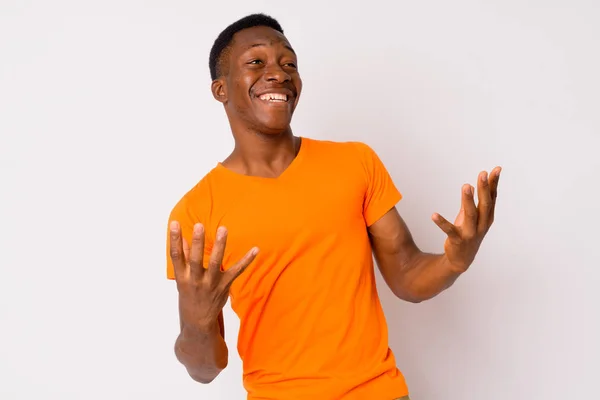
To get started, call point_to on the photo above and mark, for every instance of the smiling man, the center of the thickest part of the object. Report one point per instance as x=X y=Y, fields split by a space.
x=286 y=228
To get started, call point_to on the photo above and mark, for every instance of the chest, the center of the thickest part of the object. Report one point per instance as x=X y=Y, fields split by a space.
x=303 y=231
x=277 y=216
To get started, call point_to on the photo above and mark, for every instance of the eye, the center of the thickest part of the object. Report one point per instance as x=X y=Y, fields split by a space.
x=255 y=62
x=290 y=64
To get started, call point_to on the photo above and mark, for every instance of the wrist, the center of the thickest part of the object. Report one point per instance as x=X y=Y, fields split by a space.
x=455 y=268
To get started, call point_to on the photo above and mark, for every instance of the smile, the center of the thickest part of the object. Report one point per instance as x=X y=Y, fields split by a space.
x=274 y=97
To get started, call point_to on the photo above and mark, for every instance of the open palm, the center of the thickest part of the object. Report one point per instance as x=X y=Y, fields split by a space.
x=472 y=222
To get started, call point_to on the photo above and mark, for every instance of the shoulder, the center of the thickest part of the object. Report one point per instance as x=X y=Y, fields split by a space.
x=351 y=149
x=347 y=154
x=197 y=200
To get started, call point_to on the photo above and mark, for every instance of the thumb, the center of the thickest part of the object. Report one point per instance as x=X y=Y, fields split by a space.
x=460 y=217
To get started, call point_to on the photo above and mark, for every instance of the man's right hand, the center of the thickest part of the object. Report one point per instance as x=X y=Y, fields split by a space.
x=203 y=292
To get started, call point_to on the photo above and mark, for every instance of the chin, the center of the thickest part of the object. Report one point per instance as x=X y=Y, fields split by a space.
x=273 y=126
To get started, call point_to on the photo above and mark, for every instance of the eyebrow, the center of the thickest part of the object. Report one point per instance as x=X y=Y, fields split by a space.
x=287 y=46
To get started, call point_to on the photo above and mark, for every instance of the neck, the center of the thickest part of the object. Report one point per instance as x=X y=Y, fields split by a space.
x=260 y=154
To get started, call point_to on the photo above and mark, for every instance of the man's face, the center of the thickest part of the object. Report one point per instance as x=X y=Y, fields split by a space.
x=261 y=84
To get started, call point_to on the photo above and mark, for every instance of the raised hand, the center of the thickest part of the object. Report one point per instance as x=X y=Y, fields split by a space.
x=203 y=292
x=473 y=222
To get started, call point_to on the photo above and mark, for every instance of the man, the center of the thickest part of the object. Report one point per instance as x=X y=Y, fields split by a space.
x=311 y=324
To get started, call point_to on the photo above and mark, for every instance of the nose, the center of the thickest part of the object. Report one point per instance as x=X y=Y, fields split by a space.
x=274 y=73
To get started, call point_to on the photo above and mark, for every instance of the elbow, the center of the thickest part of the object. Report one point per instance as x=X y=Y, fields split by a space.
x=413 y=295
x=201 y=371
x=204 y=376
x=205 y=380
x=415 y=300
x=418 y=294
x=412 y=298
x=201 y=379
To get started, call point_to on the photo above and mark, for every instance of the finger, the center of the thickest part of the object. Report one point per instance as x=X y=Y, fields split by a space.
x=484 y=205
x=186 y=248
x=445 y=225
x=494 y=179
x=469 y=226
x=197 y=251
x=176 y=250
x=236 y=270
x=216 y=256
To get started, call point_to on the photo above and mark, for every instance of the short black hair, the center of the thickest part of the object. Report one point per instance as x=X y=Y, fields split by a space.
x=226 y=37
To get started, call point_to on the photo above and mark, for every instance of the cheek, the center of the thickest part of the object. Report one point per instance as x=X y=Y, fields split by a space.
x=298 y=84
x=238 y=95
x=244 y=83
x=239 y=91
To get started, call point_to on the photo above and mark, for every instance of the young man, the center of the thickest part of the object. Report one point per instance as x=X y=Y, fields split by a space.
x=311 y=323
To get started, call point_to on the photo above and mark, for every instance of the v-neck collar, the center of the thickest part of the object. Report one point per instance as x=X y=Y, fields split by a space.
x=283 y=176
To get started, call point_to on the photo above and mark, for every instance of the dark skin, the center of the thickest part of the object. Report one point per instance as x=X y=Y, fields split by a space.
x=415 y=276
x=260 y=61
x=259 y=87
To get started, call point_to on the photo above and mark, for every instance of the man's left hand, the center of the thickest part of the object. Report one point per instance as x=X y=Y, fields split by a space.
x=473 y=222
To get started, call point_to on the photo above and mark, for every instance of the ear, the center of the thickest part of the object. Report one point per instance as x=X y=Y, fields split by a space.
x=219 y=90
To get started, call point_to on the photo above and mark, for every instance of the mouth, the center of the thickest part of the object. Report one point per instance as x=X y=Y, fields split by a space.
x=276 y=97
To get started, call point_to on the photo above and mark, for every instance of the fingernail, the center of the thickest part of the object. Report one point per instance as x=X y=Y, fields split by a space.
x=198 y=228
x=174 y=225
x=221 y=231
x=472 y=191
x=255 y=251
x=484 y=178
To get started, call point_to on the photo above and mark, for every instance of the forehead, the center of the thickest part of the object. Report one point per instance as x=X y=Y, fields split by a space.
x=257 y=36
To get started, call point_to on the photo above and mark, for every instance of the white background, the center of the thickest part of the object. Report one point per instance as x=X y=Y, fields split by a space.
x=106 y=120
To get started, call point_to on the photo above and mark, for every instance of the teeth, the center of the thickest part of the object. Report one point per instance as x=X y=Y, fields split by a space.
x=274 y=97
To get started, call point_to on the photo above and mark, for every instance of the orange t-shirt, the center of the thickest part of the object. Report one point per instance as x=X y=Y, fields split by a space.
x=311 y=323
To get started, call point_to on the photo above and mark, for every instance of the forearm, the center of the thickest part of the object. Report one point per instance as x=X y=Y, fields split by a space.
x=425 y=276
x=202 y=350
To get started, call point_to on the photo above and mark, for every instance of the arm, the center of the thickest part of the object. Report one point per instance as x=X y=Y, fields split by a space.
x=411 y=274
x=202 y=350
x=203 y=292
x=415 y=276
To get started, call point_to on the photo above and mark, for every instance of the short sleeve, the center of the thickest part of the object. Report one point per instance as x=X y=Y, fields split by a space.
x=190 y=210
x=381 y=194
x=182 y=215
